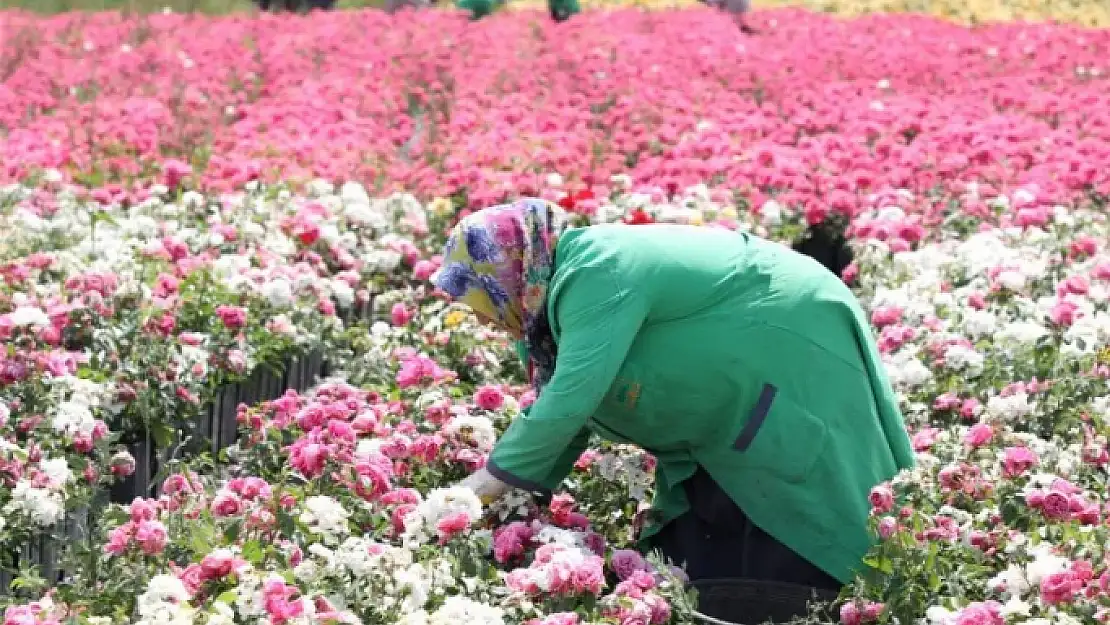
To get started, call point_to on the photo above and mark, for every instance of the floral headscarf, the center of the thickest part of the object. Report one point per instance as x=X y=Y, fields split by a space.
x=499 y=262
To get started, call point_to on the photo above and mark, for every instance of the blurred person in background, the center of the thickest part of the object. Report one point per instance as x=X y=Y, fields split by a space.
x=295 y=5
x=560 y=10
x=746 y=369
x=392 y=6
x=738 y=9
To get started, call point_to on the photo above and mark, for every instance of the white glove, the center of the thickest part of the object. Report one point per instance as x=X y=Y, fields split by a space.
x=488 y=488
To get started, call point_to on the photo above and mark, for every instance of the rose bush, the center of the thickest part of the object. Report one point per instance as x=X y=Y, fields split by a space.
x=431 y=104
x=167 y=231
x=336 y=503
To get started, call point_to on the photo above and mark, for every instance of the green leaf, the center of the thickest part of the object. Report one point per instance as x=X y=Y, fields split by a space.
x=162 y=434
x=99 y=216
x=882 y=565
x=252 y=552
x=200 y=540
x=229 y=597
x=286 y=524
x=231 y=534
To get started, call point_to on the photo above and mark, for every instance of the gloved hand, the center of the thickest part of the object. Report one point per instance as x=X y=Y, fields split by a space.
x=488 y=488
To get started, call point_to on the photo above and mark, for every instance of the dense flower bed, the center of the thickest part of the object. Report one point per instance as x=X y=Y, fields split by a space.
x=1090 y=13
x=165 y=235
x=431 y=104
x=336 y=505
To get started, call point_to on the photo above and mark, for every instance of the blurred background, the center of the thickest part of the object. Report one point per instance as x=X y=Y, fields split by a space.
x=1094 y=13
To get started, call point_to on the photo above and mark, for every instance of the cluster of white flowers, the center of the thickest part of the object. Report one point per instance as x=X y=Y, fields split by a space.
x=165 y=602
x=476 y=429
x=906 y=371
x=72 y=418
x=325 y=516
x=279 y=292
x=25 y=316
x=456 y=611
x=399 y=582
x=964 y=359
x=360 y=210
x=1010 y=407
x=220 y=614
x=44 y=506
x=421 y=523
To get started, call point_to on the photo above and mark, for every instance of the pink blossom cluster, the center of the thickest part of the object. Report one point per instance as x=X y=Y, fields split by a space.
x=144 y=530
x=214 y=567
x=327 y=427
x=1063 y=501
x=34 y=613
x=559 y=570
x=636 y=604
x=497 y=105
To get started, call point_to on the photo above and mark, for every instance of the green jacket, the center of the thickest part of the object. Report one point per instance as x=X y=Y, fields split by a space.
x=705 y=346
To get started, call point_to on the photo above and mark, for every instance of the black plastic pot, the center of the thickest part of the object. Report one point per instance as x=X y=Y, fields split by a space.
x=752 y=602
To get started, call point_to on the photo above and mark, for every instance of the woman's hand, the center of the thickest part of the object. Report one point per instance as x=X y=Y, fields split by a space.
x=488 y=488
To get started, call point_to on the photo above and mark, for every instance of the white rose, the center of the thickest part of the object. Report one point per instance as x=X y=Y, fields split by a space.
x=279 y=292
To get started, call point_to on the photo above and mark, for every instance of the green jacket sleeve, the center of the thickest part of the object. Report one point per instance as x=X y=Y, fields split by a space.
x=595 y=323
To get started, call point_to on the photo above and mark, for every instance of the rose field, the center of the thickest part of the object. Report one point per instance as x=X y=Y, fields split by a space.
x=228 y=393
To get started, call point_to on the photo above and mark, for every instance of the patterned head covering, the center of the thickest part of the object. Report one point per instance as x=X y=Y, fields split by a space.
x=499 y=262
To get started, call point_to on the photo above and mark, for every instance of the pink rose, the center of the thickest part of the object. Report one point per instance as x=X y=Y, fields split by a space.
x=400 y=315
x=151 y=536
x=489 y=397
x=226 y=504
x=451 y=526
x=660 y=609
x=1059 y=587
x=176 y=483
x=397 y=517
x=1056 y=506
x=980 y=434
x=888 y=526
x=175 y=171
x=143 y=510
x=119 y=539
x=872 y=611
x=233 y=317
x=509 y=542
x=1064 y=313
x=624 y=562
x=924 y=439
x=122 y=464
x=588 y=576
x=165 y=286
x=423 y=270
x=984 y=613
x=218 y=564
x=1017 y=460
x=850 y=614
x=969 y=408
x=947 y=401
x=881 y=498
x=885 y=315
